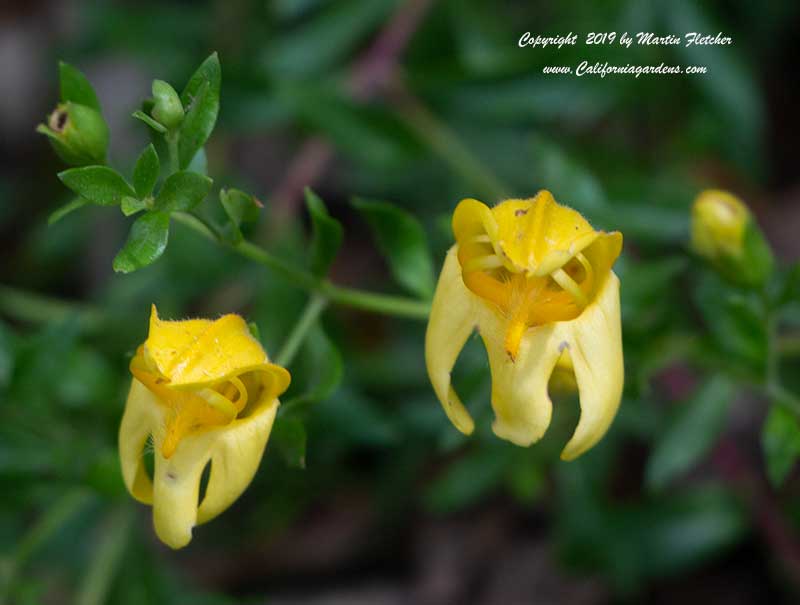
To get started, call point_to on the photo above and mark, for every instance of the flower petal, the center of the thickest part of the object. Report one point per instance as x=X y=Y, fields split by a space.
x=235 y=459
x=595 y=341
x=520 y=401
x=235 y=453
x=143 y=415
x=198 y=351
x=452 y=320
x=540 y=235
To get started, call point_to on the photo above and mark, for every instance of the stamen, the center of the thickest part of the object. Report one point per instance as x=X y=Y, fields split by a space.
x=563 y=279
x=482 y=263
x=479 y=239
x=521 y=299
x=242 y=400
x=218 y=402
x=587 y=267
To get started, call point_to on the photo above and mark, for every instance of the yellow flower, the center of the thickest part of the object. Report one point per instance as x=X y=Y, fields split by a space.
x=535 y=280
x=725 y=234
x=203 y=391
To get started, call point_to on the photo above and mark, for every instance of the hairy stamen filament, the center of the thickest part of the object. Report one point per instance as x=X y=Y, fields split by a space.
x=563 y=279
x=588 y=280
x=482 y=263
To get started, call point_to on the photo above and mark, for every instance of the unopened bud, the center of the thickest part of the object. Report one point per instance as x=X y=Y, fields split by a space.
x=78 y=133
x=725 y=234
x=167 y=108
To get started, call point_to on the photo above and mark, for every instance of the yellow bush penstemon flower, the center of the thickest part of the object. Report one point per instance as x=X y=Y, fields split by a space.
x=203 y=391
x=535 y=280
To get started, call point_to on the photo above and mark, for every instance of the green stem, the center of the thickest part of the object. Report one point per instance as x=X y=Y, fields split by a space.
x=298 y=276
x=451 y=150
x=172 y=147
x=56 y=516
x=106 y=557
x=397 y=306
x=316 y=304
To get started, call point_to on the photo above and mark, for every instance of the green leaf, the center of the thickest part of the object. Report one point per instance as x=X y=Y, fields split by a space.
x=145 y=172
x=401 y=239
x=240 y=208
x=147 y=241
x=317 y=374
x=326 y=235
x=735 y=320
x=691 y=434
x=75 y=87
x=468 y=479
x=200 y=99
x=140 y=115
x=679 y=533
x=653 y=537
x=182 y=191
x=732 y=91
x=780 y=440
x=61 y=212
x=562 y=172
x=99 y=184
x=369 y=134
x=289 y=436
x=132 y=205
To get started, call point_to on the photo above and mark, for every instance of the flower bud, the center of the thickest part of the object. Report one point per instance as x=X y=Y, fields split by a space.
x=725 y=234
x=167 y=108
x=78 y=133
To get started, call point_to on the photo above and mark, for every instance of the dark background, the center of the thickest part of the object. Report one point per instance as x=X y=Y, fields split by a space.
x=419 y=103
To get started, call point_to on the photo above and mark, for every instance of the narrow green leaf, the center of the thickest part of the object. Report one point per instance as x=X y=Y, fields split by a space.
x=145 y=172
x=780 y=440
x=692 y=432
x=140 y=115
x=289 y=436
x=99 y=184
x=370 y=135
x=326 y=234
x=200 y=99
x=182 y=191
x=240 y=208
x=735 y=321
x=61 y=212
x=401 y=239
x=75 y=87
x=147 y=241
